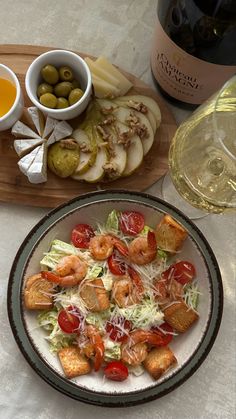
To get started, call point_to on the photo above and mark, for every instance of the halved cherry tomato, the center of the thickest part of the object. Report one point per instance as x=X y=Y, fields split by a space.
x=131 y=222
x=116 y=371
x=116 y=332
x=183 y=272
x=81 y=235
x=68 y=322
x=115 y=265
x=165 y=331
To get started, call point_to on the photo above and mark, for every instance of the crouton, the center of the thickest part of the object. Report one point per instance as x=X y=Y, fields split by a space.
x=38 y=293
x=73 y=362
x=94 y=295
x=169 y=234
x=159 y=360
x=180 y=316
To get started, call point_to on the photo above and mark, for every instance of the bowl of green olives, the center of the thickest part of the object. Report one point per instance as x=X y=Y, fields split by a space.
x=59 y=83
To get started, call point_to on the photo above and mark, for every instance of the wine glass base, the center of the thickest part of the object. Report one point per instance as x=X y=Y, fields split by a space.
x=170 y=194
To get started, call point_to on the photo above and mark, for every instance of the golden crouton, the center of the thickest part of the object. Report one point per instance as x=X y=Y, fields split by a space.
x=94 y=295
x=159 y=360
x=170 y=235
x=73 y=362
x=180 y=316
x=38 y=293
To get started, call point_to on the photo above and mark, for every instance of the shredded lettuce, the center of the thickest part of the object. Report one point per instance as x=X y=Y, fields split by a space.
x=191 y=295
x=57 y=251
x=112 y=350
x=143 y=315
x=94 y=272
x=56 y=339
x=112 y=223
x=162 y=254
x=145 y=230
x=98 y=319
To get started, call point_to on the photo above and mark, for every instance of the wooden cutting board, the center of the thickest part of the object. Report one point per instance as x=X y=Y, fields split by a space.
x=15 y=187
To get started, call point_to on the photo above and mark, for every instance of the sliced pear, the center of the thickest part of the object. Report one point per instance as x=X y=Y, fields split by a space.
x=146 y=100
x=85 y=140
x=148 y=113
x=96 y=172
x=118 y=156
x=134 y=156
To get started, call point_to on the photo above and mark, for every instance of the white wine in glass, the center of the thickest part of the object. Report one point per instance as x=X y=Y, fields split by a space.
x=202 y=155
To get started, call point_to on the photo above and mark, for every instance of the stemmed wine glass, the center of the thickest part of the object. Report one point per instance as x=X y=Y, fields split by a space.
x=202 y=157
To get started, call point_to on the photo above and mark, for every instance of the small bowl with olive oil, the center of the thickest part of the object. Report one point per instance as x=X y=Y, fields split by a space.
x=11 y=98
x=59 y=83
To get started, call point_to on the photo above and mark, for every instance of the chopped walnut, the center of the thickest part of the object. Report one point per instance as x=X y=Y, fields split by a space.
x=125 y=137
x=86 y=148
x=105 y=135
x=108 y=121
x=111 y=169
x=138 y=106
x=139 y=128
x=106 y=111
x=69 y=143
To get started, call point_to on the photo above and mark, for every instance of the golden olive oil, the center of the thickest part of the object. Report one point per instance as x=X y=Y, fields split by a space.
x=7 y=96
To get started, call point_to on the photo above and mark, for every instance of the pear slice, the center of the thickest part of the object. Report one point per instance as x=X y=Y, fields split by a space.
x=96 y=172
x=134 y=155
x=118 y=154
x=88 y=149
x=132 y=104
x=146 y=100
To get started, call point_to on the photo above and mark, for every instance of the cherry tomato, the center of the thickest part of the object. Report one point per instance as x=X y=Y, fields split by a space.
x=166 y=335
x=81 y=235
x=68 y=322
x=116 y=371
x=115 y=265
x=116 y=332
x=184 y=272
x=131 y=222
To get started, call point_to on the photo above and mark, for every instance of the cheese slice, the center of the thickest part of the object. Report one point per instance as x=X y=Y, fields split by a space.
x=101 y=73
x=21 y=130
x=25 y=145
x=38 y=119
x=61 y=130
x=104 y=89
x=25 y=162
x=37 y=172
x=49 y=126
x=125 y=84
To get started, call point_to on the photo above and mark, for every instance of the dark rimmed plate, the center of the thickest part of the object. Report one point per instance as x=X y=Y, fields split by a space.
x=190 y=348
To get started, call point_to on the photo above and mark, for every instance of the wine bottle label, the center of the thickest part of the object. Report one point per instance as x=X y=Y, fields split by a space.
x=183 y=76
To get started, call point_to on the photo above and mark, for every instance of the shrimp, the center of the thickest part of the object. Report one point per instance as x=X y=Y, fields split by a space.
x=167 y=289
x=69 y=271
x=94 y=347
x=128 y=290
x=135 y=350
x=102 y=246
x=143 y=250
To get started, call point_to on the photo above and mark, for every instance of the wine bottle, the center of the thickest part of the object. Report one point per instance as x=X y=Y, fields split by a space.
x=194 y=48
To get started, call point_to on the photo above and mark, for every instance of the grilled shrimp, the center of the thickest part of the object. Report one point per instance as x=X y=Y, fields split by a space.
x=102 y=246
x=143 y=250
x=128 y=290
x=69 y=271
x=94 y=346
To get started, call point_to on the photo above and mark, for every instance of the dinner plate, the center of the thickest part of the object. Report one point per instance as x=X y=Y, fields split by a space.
x=190 y=348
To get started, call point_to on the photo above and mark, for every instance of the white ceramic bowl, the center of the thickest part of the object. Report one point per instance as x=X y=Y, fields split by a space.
x=190 y=348
x=60 y=58
x=9 y=119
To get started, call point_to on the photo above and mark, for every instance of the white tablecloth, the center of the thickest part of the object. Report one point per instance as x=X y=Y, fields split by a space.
x=121 y=30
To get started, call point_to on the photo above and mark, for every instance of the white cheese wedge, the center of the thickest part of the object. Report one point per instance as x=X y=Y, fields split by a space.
x=25 y=162
x=21 y=130
x=25 y=145
x=61 y=130
x=38 y=119
x=49 y=126
x=37 y=172
x=101 y=73
x=125 y=84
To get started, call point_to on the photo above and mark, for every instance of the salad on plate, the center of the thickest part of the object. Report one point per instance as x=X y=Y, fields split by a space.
x=114 y=298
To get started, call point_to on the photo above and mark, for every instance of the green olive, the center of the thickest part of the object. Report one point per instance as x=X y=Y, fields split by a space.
x=66 y=73
x=63 y=89
x=75 y=95
x=62 y=160
x=75 y=84
x=62 y=103
x=49 y=100
x=50 y=74
x=44 y=88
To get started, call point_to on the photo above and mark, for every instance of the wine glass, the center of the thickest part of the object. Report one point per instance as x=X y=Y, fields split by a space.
x=202 y=157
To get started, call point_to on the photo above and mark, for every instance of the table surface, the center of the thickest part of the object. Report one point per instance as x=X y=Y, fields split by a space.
x=121 y=30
